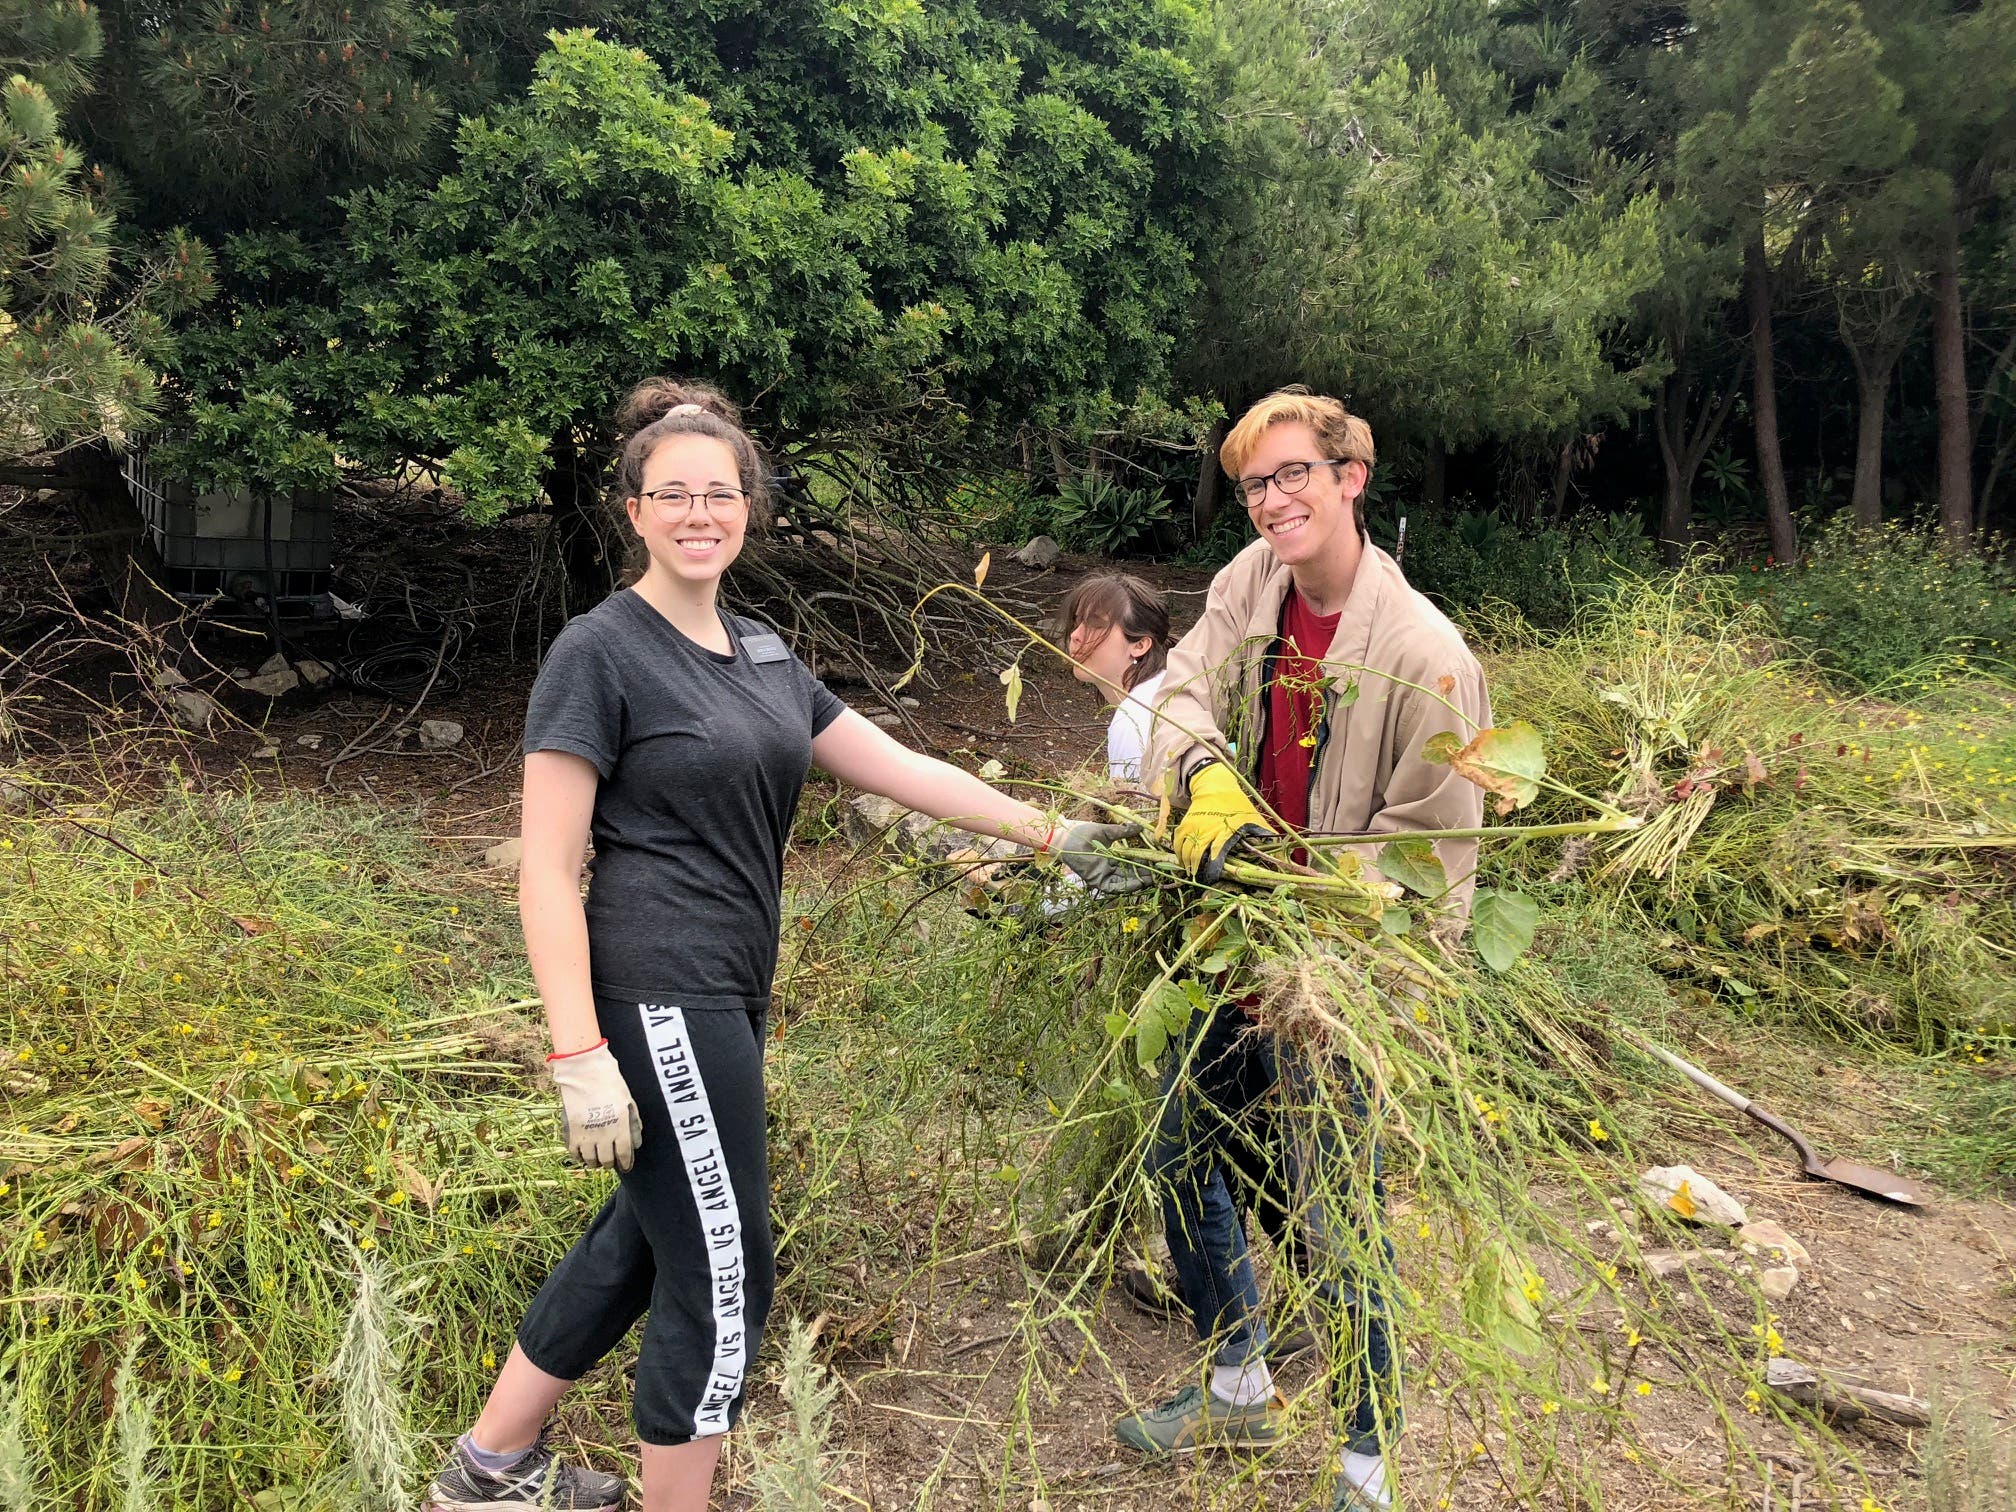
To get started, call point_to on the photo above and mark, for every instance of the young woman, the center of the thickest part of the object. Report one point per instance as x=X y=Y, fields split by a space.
x=1117 y=631
x=679 y=737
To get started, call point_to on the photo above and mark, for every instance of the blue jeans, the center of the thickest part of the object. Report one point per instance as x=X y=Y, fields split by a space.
x=1234 y=1104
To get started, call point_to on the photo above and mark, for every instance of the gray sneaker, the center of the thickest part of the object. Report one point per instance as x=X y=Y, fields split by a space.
x=539 y=1480
x=1194 y=1418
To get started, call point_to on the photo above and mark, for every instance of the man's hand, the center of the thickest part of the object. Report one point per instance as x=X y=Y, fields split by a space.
x=598 y=1117
x=1220 y=817
x=1082 y=847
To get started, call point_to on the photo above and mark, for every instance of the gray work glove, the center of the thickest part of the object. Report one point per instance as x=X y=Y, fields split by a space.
x=598 y=1117
x=1082 y=847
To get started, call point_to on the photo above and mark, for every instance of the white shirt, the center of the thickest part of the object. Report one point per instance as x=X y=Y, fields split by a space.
x=1127 y=735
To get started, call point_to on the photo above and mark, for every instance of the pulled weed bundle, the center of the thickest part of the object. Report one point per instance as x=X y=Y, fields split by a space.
x=1847 y=860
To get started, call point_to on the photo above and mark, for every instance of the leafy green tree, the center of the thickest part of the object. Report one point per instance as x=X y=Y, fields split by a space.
x=76 y=337
x=1792 y=109
x=249 y=111
x=1954 y=64
x=907 y=286
x=1397 y=241
x=1876 y=253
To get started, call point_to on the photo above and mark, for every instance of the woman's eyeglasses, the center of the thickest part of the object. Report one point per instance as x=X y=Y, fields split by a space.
x=672 y=504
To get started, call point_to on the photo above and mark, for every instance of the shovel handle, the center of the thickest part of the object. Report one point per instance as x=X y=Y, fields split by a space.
x=1699 y=1077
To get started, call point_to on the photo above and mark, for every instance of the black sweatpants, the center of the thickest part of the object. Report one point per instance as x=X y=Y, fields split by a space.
x=686 y=1236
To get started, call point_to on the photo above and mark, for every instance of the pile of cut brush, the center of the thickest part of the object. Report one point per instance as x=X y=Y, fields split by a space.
x=1845 y=859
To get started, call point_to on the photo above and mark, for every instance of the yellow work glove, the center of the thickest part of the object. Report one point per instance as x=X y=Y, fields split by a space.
x=1220 y=817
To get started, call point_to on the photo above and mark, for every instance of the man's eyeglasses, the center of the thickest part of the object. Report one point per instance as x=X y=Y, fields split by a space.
x=1289 y=477
x=673 y=504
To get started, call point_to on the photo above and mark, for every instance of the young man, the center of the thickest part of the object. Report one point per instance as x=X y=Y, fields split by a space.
x=1252 y=737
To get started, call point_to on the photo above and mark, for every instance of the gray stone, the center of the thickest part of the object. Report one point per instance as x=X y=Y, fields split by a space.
x=194 y=710
x=272 y=679
x=169 y=677
x=314 y=674
x=310 y=742
x=505 y=854
x=1039 y=553
x=1763 y=1235
x=1684 y=1191
x=887 y=720
x=1665 y=1264
x=266 y=753
x=1776 y=1282
x=870 y=817
x=439 y=734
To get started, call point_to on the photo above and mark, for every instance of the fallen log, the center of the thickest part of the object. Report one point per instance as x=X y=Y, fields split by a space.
x=1844 y=1397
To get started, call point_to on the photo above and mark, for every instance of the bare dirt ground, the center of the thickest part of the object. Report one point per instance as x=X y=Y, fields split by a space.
x=1923 y=1301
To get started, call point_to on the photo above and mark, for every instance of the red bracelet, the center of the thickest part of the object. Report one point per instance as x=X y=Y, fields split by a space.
x=568 y=1055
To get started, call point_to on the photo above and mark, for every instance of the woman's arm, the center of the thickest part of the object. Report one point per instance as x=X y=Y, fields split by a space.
x=860 y=754
x=559 y=801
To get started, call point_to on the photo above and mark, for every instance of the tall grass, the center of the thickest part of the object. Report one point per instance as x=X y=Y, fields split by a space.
x=270 y=1089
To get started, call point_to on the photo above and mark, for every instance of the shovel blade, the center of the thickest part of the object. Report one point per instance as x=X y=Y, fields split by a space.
x=1885 y=1184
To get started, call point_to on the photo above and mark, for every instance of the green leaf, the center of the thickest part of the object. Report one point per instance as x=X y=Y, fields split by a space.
x=1439 y=747
x=1415 y=866
x=1496 y=1308
x=1151 y=1038
x=1117 y=1024
x=1502 y=925
x=1396 y=921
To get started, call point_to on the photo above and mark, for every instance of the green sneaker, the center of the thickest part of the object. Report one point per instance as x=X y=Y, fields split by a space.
x=1193 y=1418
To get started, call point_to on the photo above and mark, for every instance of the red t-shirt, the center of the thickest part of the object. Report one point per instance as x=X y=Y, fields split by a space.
x=1294 y=708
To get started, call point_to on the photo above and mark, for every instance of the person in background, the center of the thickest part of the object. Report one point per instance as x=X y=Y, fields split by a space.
x=678 y=736
x=1300 y=700
x=1116 y=627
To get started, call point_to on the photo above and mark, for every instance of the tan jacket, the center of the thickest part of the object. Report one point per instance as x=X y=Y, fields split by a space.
x=1367 y=773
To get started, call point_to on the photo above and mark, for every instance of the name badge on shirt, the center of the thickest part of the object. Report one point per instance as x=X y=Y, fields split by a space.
x=766 y=648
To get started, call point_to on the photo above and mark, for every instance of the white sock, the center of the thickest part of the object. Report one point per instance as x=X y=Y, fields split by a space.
x=1366 y=1472
x=1242 y=1385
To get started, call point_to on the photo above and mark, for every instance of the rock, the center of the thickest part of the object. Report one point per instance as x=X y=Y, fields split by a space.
x=311 y=742
x=1599 y=1230
x=1763 y=1234
x=505 y=854
x=194 y=710
x=14 y=793
x=277 y=662
x=266 y=753
x=439 y=734
x=908 y=702
x=1685 y=1191
x=271 y=681
x=886 y=720
x=869 y=817
x=314 y=674
x=1040 y=552
x=1665 y=1264
x=1776 y=1283
x=169 y=677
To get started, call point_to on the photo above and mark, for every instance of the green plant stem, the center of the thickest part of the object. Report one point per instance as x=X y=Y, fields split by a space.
x=1610 y=824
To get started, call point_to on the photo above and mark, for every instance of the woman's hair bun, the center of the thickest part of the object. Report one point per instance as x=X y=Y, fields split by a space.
x=655 y=398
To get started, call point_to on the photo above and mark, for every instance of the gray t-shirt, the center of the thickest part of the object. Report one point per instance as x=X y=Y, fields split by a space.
x=702 y=759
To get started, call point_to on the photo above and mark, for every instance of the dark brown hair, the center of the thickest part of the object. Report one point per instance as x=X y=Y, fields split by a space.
x=1110 y=600
x=647 y=418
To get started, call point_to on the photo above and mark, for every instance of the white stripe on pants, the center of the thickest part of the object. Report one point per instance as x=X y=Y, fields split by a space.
x=714 y=1196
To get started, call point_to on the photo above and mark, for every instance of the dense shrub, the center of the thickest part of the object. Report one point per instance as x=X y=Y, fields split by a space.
x=1468 y=561
x=1875 y=605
